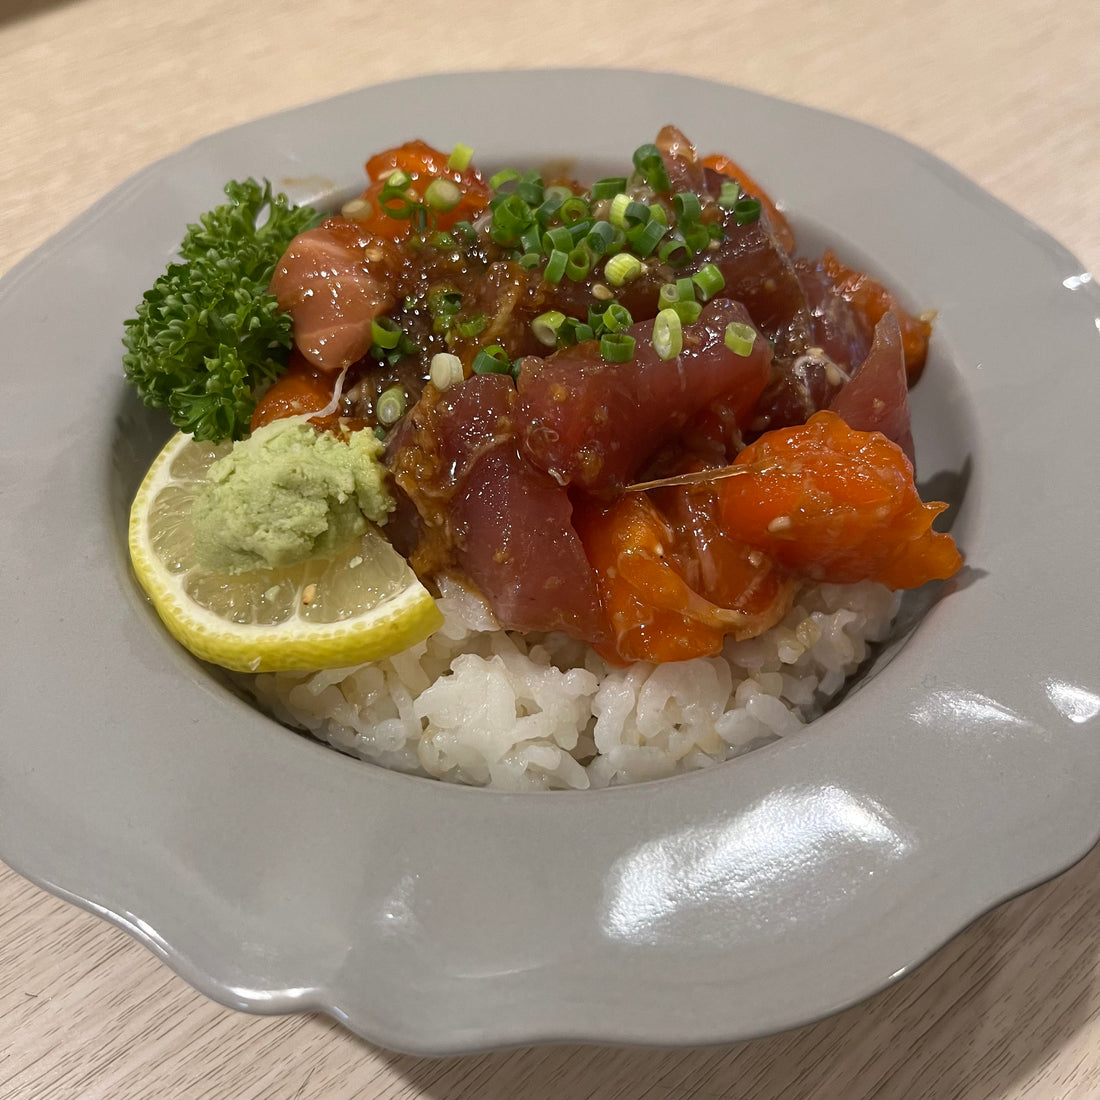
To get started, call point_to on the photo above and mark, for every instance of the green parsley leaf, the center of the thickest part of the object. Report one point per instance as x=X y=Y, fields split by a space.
x=208 y=335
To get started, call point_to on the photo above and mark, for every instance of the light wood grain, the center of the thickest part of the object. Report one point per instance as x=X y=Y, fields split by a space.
x=1008 y=91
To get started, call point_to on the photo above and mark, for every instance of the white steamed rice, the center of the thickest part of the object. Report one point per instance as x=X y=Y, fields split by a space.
x=475 y=704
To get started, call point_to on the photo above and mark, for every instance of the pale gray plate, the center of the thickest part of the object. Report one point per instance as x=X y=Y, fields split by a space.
x=277 y=875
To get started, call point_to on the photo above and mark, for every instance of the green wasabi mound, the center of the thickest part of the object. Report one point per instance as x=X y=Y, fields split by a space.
x=288 y=493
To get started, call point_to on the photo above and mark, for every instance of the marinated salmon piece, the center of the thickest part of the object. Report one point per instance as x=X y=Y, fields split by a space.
x=334 y=281
x=839 y=505
x=652 y=612
x=672 y=594
x=401 y=216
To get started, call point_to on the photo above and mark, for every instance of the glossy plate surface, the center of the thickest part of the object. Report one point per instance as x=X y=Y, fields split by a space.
x=276 y=875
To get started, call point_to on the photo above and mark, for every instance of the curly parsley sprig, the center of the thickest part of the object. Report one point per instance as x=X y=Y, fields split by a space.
x=208 y=333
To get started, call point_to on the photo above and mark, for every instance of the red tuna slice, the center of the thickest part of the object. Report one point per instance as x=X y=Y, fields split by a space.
x=490 y=516
x=877 y=397
x=593 y=424
x=842 y=333
x=760 y=274
x=323 y=282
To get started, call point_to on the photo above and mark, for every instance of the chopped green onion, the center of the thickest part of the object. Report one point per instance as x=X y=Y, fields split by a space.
x=445 y=370
x=687 y=207
x=729 y=195
x=645 y=238
x=636 y=213
x=529 y=188
x=599 y=238
x=510 y=219
x=657 y=213
x=573 y=209
x=556 y=265
x=578 y=264
x=530 y=260
x=397 y=204
x=491 y=360
x=546 y=325
x=617 y=347
x=616 y=317
x=466 y=229
x=443 y=195
x=674 y=251
x=667 y=295
x=460 y=158
x=709 y=280
x=687 y=311
x=617 y=214
x=601 y=293
x=506 y=175
x=548 y=208
x=442 y=240
x=443 y=304
x=740 y=338
x=530 y=240
x=357 y=210
x=385 y=332
x=668 y=336
x=622 y=269
x=390 y=406
x=573 y=331
x=608 y=187
x=470 y=326
x=579 y=230
x=649 y=162
x=397 y=180
x=557 y=237
x=746 y=211
x=697 y=236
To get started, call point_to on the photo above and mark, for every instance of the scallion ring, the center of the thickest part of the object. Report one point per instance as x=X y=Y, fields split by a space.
x=608 y=187
x=668 y=335
x=740 y=338
x=445 y=370
x=578 y=263
x=616 y=347
x=443 y=195
x=746 y=211
x=460 y=158
x=709 y=280
x=491 y=360
x=651 y=165
x=622 y=269
x=729 y=195
x=617 y=214
x=687 y=310
x=546 y=326
x=616 y=317
x=385 y=332
x=390 y=406
x=556 y=264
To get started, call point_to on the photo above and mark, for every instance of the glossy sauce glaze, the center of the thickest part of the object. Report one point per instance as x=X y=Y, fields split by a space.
x=512 y=443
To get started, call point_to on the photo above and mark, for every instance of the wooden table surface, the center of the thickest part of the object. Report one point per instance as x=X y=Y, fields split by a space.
x=1007 y=91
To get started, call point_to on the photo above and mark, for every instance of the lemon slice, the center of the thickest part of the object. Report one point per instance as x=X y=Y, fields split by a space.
x=359 y=605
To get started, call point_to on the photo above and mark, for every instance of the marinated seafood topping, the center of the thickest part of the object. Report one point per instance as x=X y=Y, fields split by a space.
x=624 y=410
